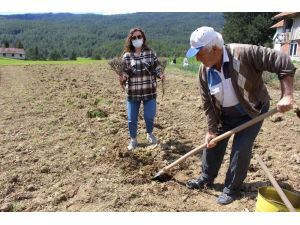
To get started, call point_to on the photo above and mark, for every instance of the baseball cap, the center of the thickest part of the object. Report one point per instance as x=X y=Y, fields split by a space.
x=199 y=38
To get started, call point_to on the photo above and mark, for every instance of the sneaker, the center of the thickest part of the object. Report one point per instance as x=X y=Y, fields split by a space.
x=225 y=199
x=198 y=183
x=151 y=138
x=132 y=144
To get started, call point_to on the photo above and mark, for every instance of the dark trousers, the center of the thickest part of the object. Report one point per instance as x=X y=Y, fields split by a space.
x=240 y=153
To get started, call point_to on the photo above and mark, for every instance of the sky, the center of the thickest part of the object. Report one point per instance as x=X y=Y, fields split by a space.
x=128 y=6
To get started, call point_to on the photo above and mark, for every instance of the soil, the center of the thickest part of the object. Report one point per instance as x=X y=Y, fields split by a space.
x=55 y=156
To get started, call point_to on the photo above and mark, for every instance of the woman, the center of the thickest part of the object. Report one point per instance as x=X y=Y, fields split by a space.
x=141 y=68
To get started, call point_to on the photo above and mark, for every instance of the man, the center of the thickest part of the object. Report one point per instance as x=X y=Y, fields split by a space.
x=233 y=93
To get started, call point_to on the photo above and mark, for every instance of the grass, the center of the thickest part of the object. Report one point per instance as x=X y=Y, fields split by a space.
x=102 y=101
x=6 y=62
x=94 y=113
x=269 y=78
x=297 y=75
x=192 y=68
x=272 y=78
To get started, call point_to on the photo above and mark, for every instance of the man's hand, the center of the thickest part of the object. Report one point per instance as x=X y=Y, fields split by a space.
x=285 y=104
x=209 y=136
x=287 y=89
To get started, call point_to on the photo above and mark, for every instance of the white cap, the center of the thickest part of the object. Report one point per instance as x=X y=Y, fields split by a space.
x=199 y=38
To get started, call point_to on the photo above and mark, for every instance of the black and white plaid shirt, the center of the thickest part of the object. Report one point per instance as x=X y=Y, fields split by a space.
x=141 y=72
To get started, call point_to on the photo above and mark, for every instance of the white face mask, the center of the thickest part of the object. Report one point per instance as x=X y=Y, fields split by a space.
x=137 y=43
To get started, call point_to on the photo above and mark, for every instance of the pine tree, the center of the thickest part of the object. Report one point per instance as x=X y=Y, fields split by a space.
x=6 y=44
x=19 y=44
x=54 y=55
x=73 y=56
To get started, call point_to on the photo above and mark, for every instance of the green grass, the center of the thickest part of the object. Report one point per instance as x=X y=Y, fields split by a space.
x=93 y=113
x=192 y=68
x=6 y=61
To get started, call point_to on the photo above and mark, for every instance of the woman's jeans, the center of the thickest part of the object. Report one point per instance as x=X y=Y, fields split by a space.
x=133 y=108
x=240 y=153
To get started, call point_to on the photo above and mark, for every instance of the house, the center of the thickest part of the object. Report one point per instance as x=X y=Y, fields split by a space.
x=14 y=53
x=287 y=36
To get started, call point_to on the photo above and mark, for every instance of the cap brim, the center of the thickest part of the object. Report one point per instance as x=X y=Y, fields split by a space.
x=192 y=52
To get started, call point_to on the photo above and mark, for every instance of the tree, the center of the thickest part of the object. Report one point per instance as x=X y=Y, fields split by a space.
x=96 y=54
x=36 y=53
x=248 y=28
x=19 y=44
x=54 y=55
x=73 y=56
x=6 y=44
x=33 y=53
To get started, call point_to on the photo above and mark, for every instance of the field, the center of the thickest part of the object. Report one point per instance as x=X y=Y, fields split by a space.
x=56 y=156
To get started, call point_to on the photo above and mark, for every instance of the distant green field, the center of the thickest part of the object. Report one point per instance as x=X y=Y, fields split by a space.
x=6 y=61
x=192 y=68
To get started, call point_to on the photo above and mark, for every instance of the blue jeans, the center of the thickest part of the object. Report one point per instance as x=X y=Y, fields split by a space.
x=240 y=153
x=133 y=108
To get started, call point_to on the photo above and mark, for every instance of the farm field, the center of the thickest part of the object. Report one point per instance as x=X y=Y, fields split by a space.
x=54 y=156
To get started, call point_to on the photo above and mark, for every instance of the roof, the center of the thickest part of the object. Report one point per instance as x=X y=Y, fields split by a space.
x=12 y=50
x=285 y=14
x=279 y=24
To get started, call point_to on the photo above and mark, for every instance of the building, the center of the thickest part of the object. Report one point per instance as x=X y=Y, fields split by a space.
x=287 y=36
x=13 y=53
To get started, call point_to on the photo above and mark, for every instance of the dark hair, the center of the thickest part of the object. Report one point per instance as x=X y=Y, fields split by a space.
x=128 y=47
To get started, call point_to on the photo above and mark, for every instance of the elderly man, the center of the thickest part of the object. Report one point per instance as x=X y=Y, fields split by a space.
x=233 y=92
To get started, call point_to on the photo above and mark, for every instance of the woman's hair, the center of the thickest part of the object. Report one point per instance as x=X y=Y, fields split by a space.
x=217 y=41
x=128 y=47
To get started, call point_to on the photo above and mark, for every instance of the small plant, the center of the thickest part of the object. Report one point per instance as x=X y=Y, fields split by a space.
x=93 y=113
x=84 y=95
x=97 y=101
x=101 y=100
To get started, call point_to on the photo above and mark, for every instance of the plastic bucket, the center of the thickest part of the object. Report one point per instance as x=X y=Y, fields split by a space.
x=269 y=201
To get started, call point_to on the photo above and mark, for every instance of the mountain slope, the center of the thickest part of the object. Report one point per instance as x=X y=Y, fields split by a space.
x=102 y=35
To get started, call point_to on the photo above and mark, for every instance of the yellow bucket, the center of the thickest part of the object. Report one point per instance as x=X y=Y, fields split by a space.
x=269 y=201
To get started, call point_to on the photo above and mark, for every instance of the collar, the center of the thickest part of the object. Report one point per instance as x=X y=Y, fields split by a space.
x=225 y=55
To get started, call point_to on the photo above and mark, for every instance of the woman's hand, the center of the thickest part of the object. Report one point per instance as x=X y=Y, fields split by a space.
x=162 y=76
x=122 y=80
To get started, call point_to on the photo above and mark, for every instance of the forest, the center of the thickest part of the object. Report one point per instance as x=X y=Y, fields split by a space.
x=68 y=36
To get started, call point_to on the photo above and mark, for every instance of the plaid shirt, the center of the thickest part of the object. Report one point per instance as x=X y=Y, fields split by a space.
x=141 y=72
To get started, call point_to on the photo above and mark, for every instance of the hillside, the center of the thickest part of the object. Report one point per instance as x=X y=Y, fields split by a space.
x=101 y=36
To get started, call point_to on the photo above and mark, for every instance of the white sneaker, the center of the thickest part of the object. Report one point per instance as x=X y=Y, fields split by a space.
x=132 y=144
x=151 y=138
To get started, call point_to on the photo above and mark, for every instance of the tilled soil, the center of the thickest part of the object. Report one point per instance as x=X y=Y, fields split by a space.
x=55 y=157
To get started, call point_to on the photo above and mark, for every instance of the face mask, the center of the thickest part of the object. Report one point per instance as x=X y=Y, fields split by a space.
x=137 y=43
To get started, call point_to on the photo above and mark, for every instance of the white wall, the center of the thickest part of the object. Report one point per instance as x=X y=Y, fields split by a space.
x=9 y=55
x=295 y=32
